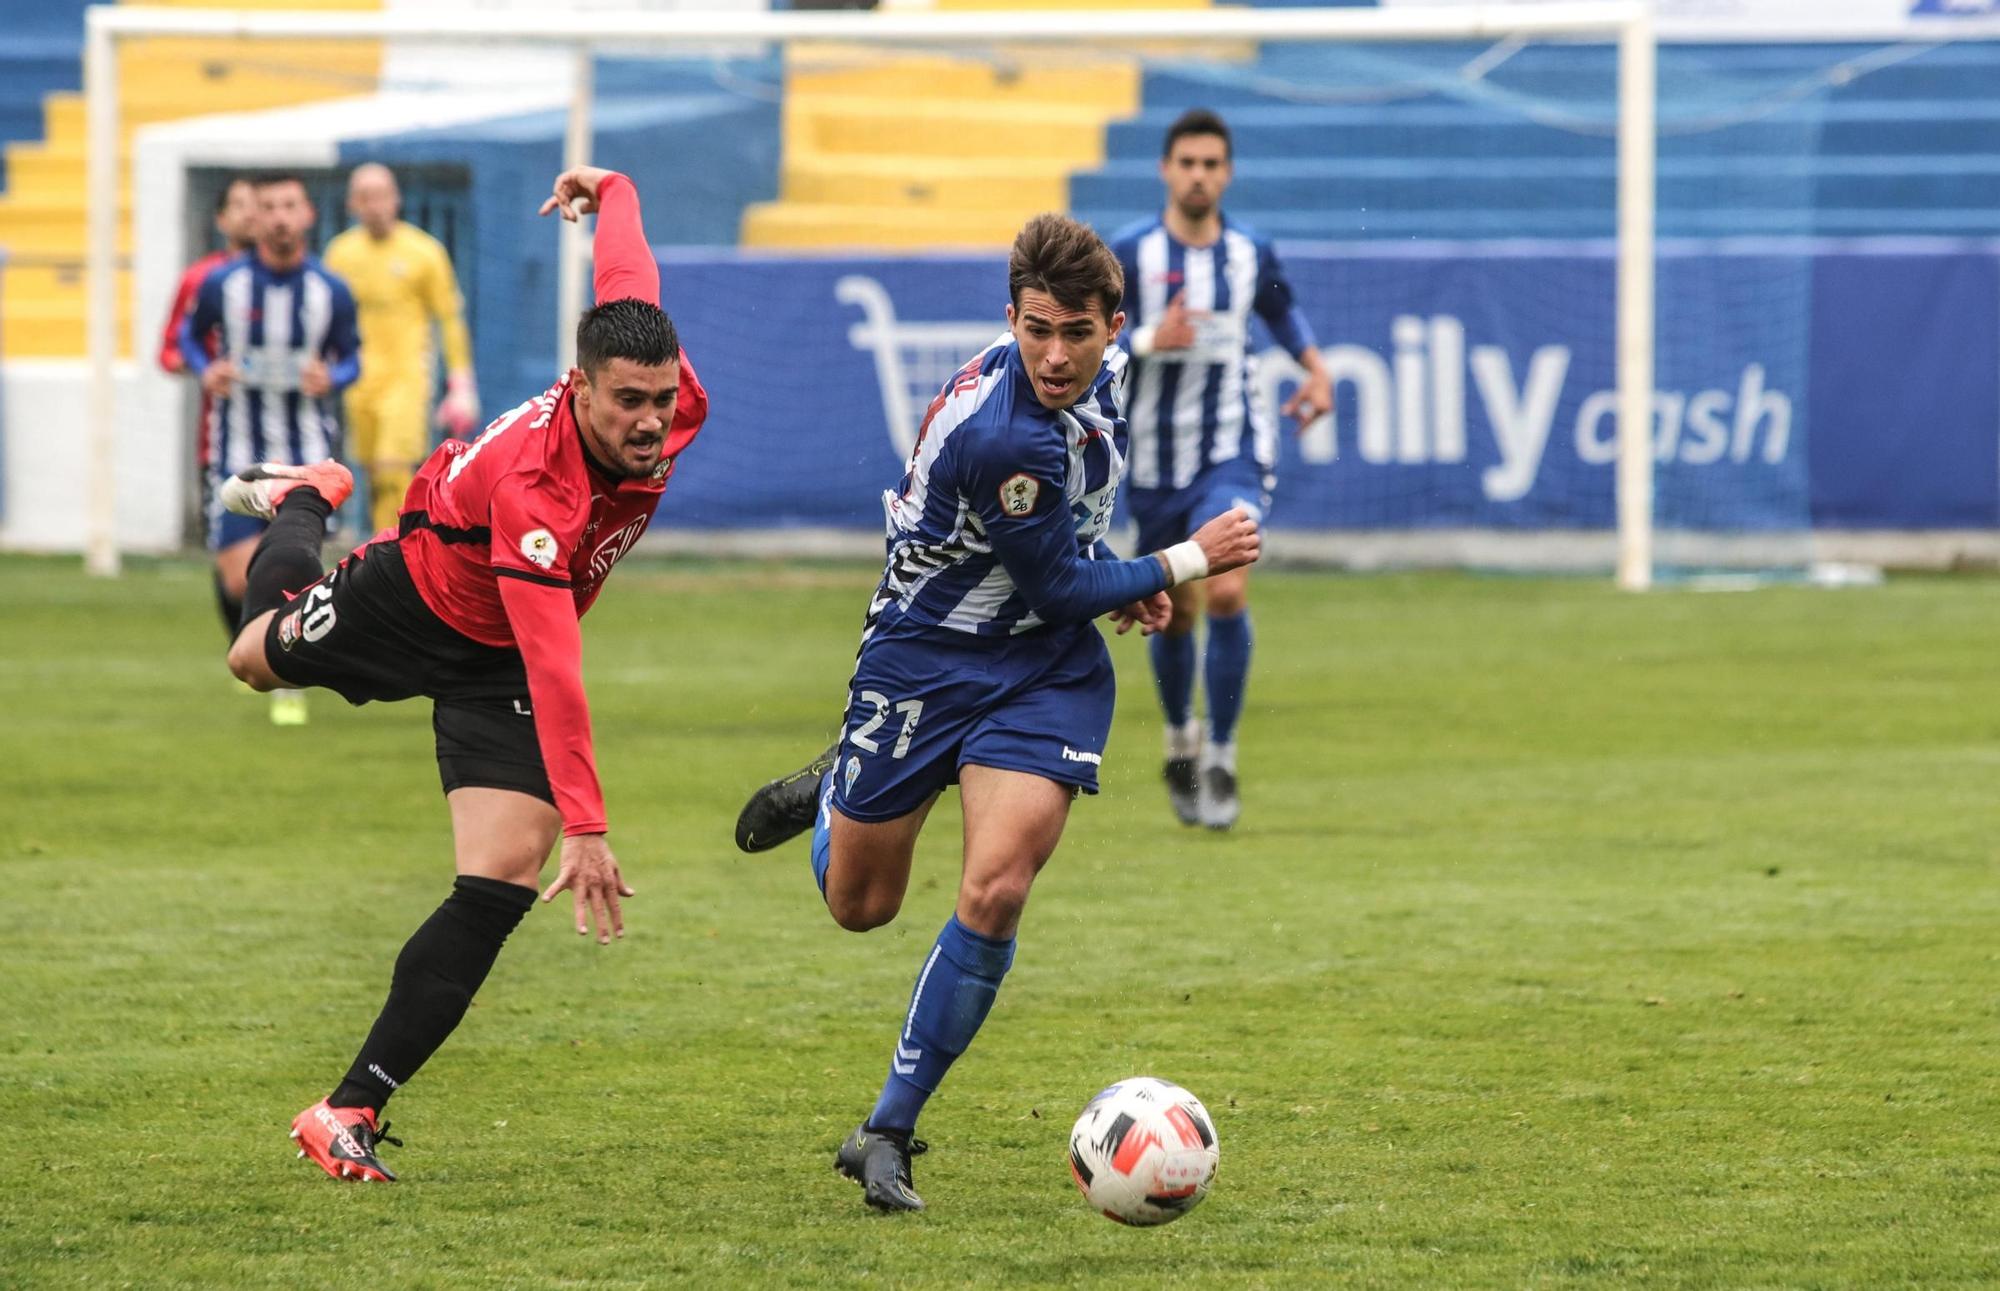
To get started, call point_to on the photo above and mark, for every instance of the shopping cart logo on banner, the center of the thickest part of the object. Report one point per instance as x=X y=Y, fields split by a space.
x=912 y=360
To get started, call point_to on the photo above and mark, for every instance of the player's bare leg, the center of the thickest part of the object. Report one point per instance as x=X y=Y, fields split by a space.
x=246 y=655
x=1013 y=822
x=1226 y=671
x=1174 y=654
x=501 y=834
x=866 y=865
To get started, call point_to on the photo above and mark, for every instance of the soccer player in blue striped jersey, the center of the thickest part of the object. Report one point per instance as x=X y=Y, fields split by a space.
x=980 y=663
x=1201 y=440
x=286 y=346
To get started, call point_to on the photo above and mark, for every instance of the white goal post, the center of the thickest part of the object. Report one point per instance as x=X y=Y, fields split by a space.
x=1627 y=22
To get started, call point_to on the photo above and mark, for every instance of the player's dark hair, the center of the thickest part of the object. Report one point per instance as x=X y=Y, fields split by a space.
x=271 y=179
x=235 y=182
x=631 y=329
x=1066 y=259
x=1197 y=121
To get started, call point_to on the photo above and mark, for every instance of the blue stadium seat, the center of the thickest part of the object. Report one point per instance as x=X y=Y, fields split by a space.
x=41 y=50
x=1404 y=141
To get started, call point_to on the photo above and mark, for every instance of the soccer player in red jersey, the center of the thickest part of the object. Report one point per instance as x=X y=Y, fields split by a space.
x=236 y=221
x=473 y=600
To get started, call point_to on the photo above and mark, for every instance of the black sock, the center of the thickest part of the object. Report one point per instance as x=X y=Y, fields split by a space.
x=230 y=607
x=287 y=556
x=440 y=968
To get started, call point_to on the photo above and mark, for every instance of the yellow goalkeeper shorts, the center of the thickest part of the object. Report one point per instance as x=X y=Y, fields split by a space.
x=389 y=426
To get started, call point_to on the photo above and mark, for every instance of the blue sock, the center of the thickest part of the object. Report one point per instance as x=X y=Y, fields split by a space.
x=823 y=833
x=954 y=992
x=1173 y=670
x=1226 y=669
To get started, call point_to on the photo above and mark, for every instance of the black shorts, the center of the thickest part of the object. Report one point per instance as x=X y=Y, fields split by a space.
x=364 y=632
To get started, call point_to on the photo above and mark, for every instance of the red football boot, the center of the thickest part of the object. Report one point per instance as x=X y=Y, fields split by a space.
x=341 y=1141
x=258 y=491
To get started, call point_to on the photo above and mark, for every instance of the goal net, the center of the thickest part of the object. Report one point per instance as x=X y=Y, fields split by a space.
x=1460 y=197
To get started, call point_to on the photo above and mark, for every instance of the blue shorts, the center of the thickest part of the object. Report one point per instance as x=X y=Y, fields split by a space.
x=226 y=528
x=918 y=709
x=1168 y=516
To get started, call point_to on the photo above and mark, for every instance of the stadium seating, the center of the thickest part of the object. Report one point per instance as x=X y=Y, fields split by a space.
x=876 y=151
x=42 y=209
x=1398 y=142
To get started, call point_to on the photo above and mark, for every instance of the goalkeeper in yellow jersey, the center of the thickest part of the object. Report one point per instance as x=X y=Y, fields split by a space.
x=402 y=283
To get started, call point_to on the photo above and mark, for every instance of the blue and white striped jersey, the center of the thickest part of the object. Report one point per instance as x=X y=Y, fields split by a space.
x=268 y=325
x=1190 y=409
x=998 y=523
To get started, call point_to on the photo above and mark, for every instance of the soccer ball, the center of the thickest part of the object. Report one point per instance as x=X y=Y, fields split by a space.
x=1143 y=1152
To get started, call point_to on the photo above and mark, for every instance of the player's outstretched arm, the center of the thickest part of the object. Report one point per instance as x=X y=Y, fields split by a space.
x=458 y=411
x=1276 y=305
x=625 y=267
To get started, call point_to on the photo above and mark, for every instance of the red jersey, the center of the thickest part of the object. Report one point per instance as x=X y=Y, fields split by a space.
x=170 y=339
x=509 y=538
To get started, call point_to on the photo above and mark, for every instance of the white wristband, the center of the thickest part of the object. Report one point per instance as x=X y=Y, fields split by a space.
x=1186 y=561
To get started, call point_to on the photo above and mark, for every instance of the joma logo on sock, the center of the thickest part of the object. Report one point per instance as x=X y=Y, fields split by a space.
x=384 y=1077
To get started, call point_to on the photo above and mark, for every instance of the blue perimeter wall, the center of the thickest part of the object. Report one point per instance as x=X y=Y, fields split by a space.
x=1801 y=385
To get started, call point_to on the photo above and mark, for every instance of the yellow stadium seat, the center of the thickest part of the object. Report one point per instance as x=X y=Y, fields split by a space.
x=42 y=212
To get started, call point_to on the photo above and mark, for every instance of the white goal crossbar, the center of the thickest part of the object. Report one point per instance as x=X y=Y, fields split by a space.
x=1627 y=22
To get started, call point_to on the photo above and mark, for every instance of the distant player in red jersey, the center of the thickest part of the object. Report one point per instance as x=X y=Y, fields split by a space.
x=473 y=600
x=236 y=221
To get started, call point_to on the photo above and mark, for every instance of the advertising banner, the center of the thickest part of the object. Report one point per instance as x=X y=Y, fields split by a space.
x=1797 y=385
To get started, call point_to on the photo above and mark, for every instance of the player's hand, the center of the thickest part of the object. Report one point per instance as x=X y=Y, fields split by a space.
x=1313 y=399
x=218 y=379
x=458 y=411
x=313 y=379
x=1175 y=330
x=1230 y=541
x=1149 y=615
x=590 y=872
x=575 y=192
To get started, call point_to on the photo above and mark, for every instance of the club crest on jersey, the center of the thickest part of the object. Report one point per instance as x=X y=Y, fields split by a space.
x=853 y=772
x=1018 y=494
x=288 y=631
x=663 y=470
x=539 y=547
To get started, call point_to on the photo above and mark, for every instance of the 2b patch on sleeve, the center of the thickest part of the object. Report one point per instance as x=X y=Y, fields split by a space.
x=1018 y=494
x=538 y=546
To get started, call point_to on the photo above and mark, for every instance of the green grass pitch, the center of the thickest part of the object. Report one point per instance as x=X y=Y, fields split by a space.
x=1570 y=939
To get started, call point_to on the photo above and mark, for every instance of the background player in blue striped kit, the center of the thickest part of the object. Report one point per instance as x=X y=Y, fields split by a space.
x=980 y=663
x=1201 y=440
x=286 y=346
